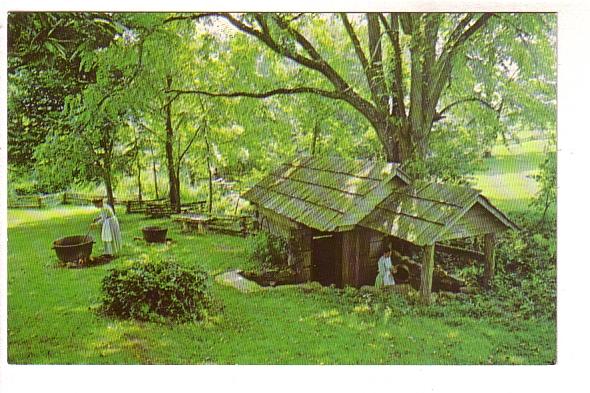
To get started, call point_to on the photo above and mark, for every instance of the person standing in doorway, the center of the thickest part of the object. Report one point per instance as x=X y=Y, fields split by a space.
x=385 y=269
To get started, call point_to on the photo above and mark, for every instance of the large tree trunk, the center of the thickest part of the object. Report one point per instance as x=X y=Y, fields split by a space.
x=108 y=183
x=107 y=143
x=174 y=192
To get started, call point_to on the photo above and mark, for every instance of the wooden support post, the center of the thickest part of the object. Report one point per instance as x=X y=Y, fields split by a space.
x=426 y=272
x=489 y=258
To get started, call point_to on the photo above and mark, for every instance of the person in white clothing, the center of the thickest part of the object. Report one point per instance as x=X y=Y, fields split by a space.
x=111 y=232
x=385 y=270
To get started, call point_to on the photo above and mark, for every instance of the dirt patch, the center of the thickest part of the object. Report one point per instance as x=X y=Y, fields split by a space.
x=142 y=240
x=91 y=262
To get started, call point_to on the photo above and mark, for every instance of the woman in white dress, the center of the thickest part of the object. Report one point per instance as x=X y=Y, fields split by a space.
x=111 y=233
x=386 y=270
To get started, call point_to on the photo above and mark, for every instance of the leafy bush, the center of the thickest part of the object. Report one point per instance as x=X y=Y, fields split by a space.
x=525 y=284
x=156 y=291
x=268 y=250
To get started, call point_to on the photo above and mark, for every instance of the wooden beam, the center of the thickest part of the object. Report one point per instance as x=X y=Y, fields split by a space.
x=461 y=252
x=426 y=273
x=489 y=258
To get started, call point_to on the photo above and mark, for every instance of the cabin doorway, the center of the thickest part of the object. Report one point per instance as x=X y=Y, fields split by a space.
x=326 y=259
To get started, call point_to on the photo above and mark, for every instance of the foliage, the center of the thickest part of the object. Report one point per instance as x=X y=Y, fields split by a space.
x=45 y=56
x=546 y=177
x=268 y=250
x=157 y=291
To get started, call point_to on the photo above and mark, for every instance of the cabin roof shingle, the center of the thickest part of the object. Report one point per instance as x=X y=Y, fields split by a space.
x=332 y=194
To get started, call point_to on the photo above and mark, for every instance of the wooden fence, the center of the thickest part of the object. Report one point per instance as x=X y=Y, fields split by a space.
x=34 y=201
x=235 y=225
x=63 y=198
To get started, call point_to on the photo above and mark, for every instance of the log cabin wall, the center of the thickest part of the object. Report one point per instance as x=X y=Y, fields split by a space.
x=298 y=239
x=350 y=265
x=360 y=253
x=300 y=248
x=275 y=224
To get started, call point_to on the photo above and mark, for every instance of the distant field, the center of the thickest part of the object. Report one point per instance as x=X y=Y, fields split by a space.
x=507 y=180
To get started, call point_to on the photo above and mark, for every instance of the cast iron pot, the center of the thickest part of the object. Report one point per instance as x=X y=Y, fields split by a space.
x=154 y=234
x=73 y=248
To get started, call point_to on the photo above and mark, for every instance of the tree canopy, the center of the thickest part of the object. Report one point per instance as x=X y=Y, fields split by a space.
x=219 y=94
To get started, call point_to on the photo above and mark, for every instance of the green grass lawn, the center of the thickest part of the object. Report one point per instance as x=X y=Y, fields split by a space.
x=52 y=318
x=507 y=177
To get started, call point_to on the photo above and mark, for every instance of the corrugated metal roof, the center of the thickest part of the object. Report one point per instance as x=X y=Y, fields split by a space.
x=333 y=194
x=326 y=193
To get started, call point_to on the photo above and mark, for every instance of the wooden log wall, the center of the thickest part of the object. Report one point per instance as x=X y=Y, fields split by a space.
x=298 y=239
x=350 y=258
x=300 y=252
x=275 y=224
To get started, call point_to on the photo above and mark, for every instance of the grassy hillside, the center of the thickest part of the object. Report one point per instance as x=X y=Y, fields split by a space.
x=507 y=178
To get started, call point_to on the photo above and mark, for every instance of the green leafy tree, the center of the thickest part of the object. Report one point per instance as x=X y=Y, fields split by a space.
x=404 y=72
x=44 y=66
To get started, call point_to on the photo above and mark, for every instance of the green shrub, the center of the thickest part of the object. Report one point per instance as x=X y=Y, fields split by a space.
x=525 y=285
x=156 y=291
x=268 y=250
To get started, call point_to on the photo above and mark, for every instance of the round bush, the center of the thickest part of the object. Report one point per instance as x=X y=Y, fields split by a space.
x=156 y=291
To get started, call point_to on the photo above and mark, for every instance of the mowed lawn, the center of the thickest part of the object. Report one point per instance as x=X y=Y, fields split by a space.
x=52 y=318
x=507 y=179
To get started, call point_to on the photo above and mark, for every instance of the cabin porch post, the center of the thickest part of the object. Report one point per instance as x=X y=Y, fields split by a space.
x=489 y=258
x=426 y=272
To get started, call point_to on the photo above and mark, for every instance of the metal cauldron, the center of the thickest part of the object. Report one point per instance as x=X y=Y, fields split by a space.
x=154 y=234
x=73 y=248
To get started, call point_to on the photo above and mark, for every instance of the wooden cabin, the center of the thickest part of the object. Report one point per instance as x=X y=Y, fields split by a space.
x=336 y=215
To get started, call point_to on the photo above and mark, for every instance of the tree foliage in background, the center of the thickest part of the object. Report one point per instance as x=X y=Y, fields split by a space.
x=406 y=72
x=547 y=179
x=432 y=90
x=44 y=66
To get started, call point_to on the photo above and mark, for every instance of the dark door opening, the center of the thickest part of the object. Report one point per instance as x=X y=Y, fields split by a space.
x=327 y=259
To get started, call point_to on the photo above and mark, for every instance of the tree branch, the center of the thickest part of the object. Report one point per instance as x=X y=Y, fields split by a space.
x=188 y=146
x=392 y=31
x=440 y=114
x=280 y=91
x=377 y=82
x=445 y=61
x=193 y=17
x=355 y=42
